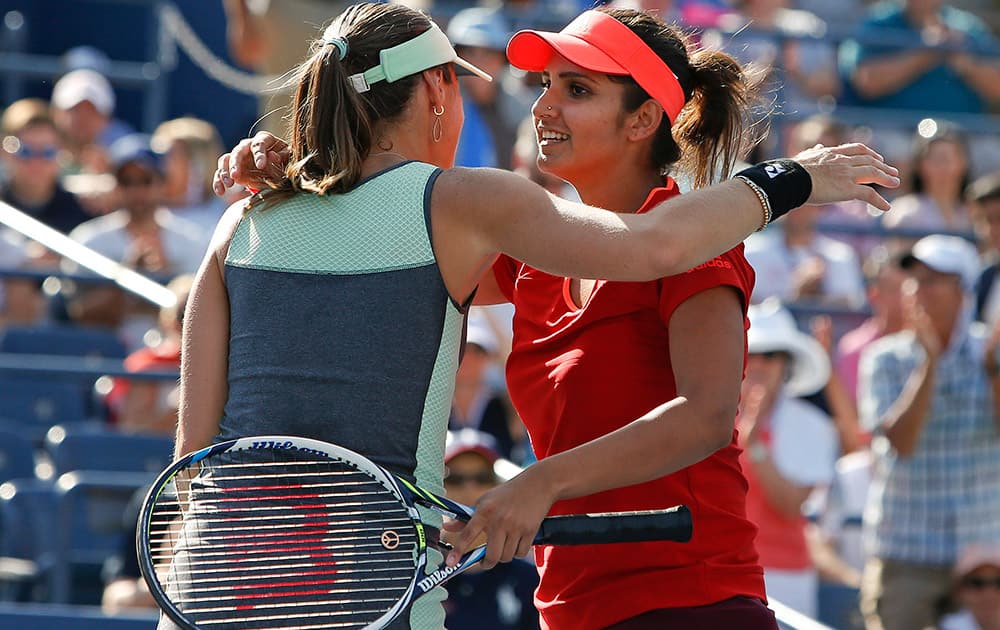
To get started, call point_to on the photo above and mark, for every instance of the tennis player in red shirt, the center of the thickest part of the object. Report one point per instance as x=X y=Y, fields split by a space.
x=624 y=104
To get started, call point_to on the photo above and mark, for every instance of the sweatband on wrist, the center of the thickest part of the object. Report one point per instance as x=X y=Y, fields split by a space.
x=786 y=184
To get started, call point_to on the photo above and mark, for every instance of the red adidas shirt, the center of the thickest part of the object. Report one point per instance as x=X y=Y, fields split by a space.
x=576 y=374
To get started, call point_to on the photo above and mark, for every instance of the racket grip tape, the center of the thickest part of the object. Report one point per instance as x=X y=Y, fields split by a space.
x=672 y=524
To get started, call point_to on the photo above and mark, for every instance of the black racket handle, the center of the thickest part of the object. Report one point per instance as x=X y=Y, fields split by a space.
x=672 y=524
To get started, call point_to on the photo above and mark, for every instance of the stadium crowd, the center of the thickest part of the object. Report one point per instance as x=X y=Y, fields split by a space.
x=870 y=414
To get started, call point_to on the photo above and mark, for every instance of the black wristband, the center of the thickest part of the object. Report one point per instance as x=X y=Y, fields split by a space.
x=786 y=184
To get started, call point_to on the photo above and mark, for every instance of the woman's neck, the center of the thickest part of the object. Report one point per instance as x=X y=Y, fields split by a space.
x=622 y=192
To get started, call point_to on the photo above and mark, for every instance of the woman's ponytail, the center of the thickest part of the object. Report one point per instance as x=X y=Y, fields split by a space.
x=714 y=129
x=334 y=127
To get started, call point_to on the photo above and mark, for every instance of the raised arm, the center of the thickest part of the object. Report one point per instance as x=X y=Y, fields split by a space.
x=481 y=212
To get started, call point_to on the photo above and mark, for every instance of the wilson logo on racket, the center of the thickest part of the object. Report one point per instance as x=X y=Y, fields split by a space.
x=390 y=539
x=437 y=577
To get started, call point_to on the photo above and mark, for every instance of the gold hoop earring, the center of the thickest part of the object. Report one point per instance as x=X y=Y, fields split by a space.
x=437 y=131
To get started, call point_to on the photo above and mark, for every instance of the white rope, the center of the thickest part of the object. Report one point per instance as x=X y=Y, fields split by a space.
x=181 y=32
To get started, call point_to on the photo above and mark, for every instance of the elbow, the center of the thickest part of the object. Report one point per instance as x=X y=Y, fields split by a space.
x=718 y=432
x=668 y=256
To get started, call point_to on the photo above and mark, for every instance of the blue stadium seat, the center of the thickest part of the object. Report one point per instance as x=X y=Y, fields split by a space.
x=93 y=446
x=35 y=405
x=27 y=535
x=51 y=617
x=17 y=454
x=63 y=340
x=90 y=507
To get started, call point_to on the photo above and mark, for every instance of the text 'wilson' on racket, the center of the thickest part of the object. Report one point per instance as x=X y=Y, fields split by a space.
x=285 y=532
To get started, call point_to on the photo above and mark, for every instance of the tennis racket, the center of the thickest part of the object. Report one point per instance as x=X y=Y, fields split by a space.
x=285 y=532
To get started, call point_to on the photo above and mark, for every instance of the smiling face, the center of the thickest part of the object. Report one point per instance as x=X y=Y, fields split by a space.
x=579 y=121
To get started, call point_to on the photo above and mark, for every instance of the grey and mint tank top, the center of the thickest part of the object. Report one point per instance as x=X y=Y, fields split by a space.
x=341 y=328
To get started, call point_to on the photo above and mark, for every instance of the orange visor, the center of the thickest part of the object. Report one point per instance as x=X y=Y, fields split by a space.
x=600 y=43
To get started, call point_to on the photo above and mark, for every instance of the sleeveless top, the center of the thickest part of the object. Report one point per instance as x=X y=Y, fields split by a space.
x=342 y=330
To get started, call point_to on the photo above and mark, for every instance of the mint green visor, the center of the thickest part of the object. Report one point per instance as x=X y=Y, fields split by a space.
x=430 y=48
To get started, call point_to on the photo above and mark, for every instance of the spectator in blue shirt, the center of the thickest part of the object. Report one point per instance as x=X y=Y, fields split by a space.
x=922 y=55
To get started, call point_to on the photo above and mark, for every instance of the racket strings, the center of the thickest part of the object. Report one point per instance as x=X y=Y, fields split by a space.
x=309 y=544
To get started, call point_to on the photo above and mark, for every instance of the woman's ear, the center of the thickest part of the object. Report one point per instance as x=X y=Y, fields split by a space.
x=645 y=121
x=436 y=84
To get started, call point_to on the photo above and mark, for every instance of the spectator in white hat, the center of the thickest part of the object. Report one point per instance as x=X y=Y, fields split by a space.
x=83 y=105
x=790 y=448
x=928 y=394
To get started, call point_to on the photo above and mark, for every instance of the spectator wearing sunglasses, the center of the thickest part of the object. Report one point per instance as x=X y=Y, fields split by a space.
x=142 y=235
x=478 y=599
x=977 y=589
x=31 y=150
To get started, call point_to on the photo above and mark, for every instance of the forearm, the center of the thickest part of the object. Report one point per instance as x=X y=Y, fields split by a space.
x=844 y=413
x=907 y=416
x=879 y=77
x=983 y=76
x=831 y=566
x=702 y=224
x=671 y=437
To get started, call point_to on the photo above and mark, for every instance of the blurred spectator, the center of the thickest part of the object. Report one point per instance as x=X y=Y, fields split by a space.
x=492 y=109
x=834 y=398
x=977 y=589
x=789 y=448
x=984 y=201
x=83 y=105
x=928 y=395
x=31 y=150
x=922 y=55
x=538 y=14
x=272 y=37
x=848 y=221
x=21 y=302
x=145 y=406
x=884 y=281
x=484 y=600
x=938 y=180
x=794 y=262
x=142 y=235
x=784 y=42
x=479 y=402
x=190 y=147
x=840 y=516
